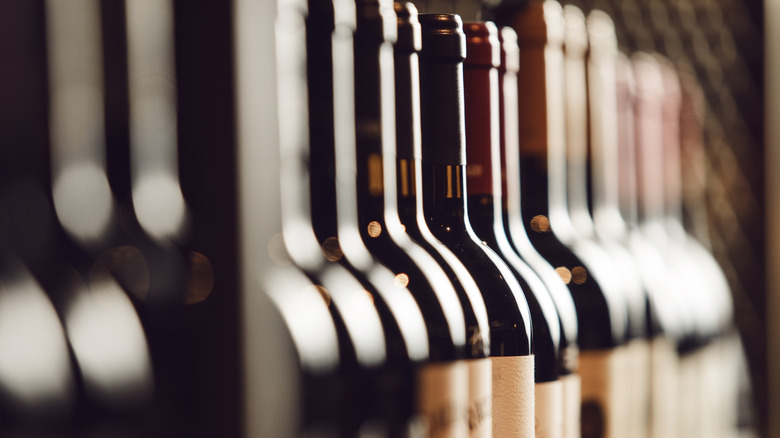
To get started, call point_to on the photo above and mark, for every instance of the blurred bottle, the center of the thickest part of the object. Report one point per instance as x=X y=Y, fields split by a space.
x=364 y=404
x=568 y=356
x=721 y=404
x=331 y=51
x=291 y=378
x=599 y=300
x=698 y=313
x=483 y=179
x=715 y=369
x=444 y=205
x=410 y=210
x=586 y=190
x=444 y=389
x=666 y=324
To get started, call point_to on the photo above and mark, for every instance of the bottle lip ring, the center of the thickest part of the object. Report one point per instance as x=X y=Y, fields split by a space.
x=442 y=37
x=441 y=21
x=483 y=47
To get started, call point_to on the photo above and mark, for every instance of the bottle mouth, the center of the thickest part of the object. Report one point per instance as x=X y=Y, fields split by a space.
x=510 y=51
x=376 y=20
x=482 y=46
x=442 y=36
x=409 y=38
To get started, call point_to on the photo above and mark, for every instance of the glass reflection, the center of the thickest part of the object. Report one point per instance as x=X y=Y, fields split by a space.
x=277 y=250
x=320 y=289
x=108 y=343
x=82 y=197
x=35 y=371
x=157 y=197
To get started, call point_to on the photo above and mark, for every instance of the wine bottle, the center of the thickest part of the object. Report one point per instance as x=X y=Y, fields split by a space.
x=600 y=304
x=665 y=323
x=410 y=211
x=444 y=388
x=713 y=367
x=117 y=383
x=698 y=312
x=586 y=189
x=444 y=206
x=483 y=178
x=290 y=342
x=513 y=222
x=727 y=351
x=331 y=69
x=363 y=406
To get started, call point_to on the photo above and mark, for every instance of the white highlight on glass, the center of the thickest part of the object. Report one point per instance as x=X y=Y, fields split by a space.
x=109 y=343
x=82 y=197
x=34 y=365
x=159 y=203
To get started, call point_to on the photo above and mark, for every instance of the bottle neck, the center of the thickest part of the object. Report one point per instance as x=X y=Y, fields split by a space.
x=297 y=228
x=649 y=128
x=376 y=134
x=482 y=138
x=510 y=155
x=326 y=49
x=626 y=144
x=542 y=137
x=408 y=137
x=672 y=173
x=605 y=140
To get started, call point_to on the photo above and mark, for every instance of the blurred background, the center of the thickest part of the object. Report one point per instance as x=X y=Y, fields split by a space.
x=119 y=204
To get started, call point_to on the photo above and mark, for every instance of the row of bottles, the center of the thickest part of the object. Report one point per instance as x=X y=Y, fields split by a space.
x=520 y=189
x=347 y=218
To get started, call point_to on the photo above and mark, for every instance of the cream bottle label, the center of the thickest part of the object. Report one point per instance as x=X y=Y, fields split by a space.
x=443 y=399
x=663 y=389
x=549 y=409
x=572 y=394
x=722 y=388
x=480 y=404
x=605 y=394
x=513 y=396
x=638 y=356
x=688 y=387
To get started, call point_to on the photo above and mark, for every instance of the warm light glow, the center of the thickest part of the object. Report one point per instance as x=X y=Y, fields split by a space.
x=540 y=224
x=332 y=250
x=128 y=266
x=374 y=229
x=370 y=295
x=564 y=273
x=402 y=280
x=579 y=275
x=201 y=278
